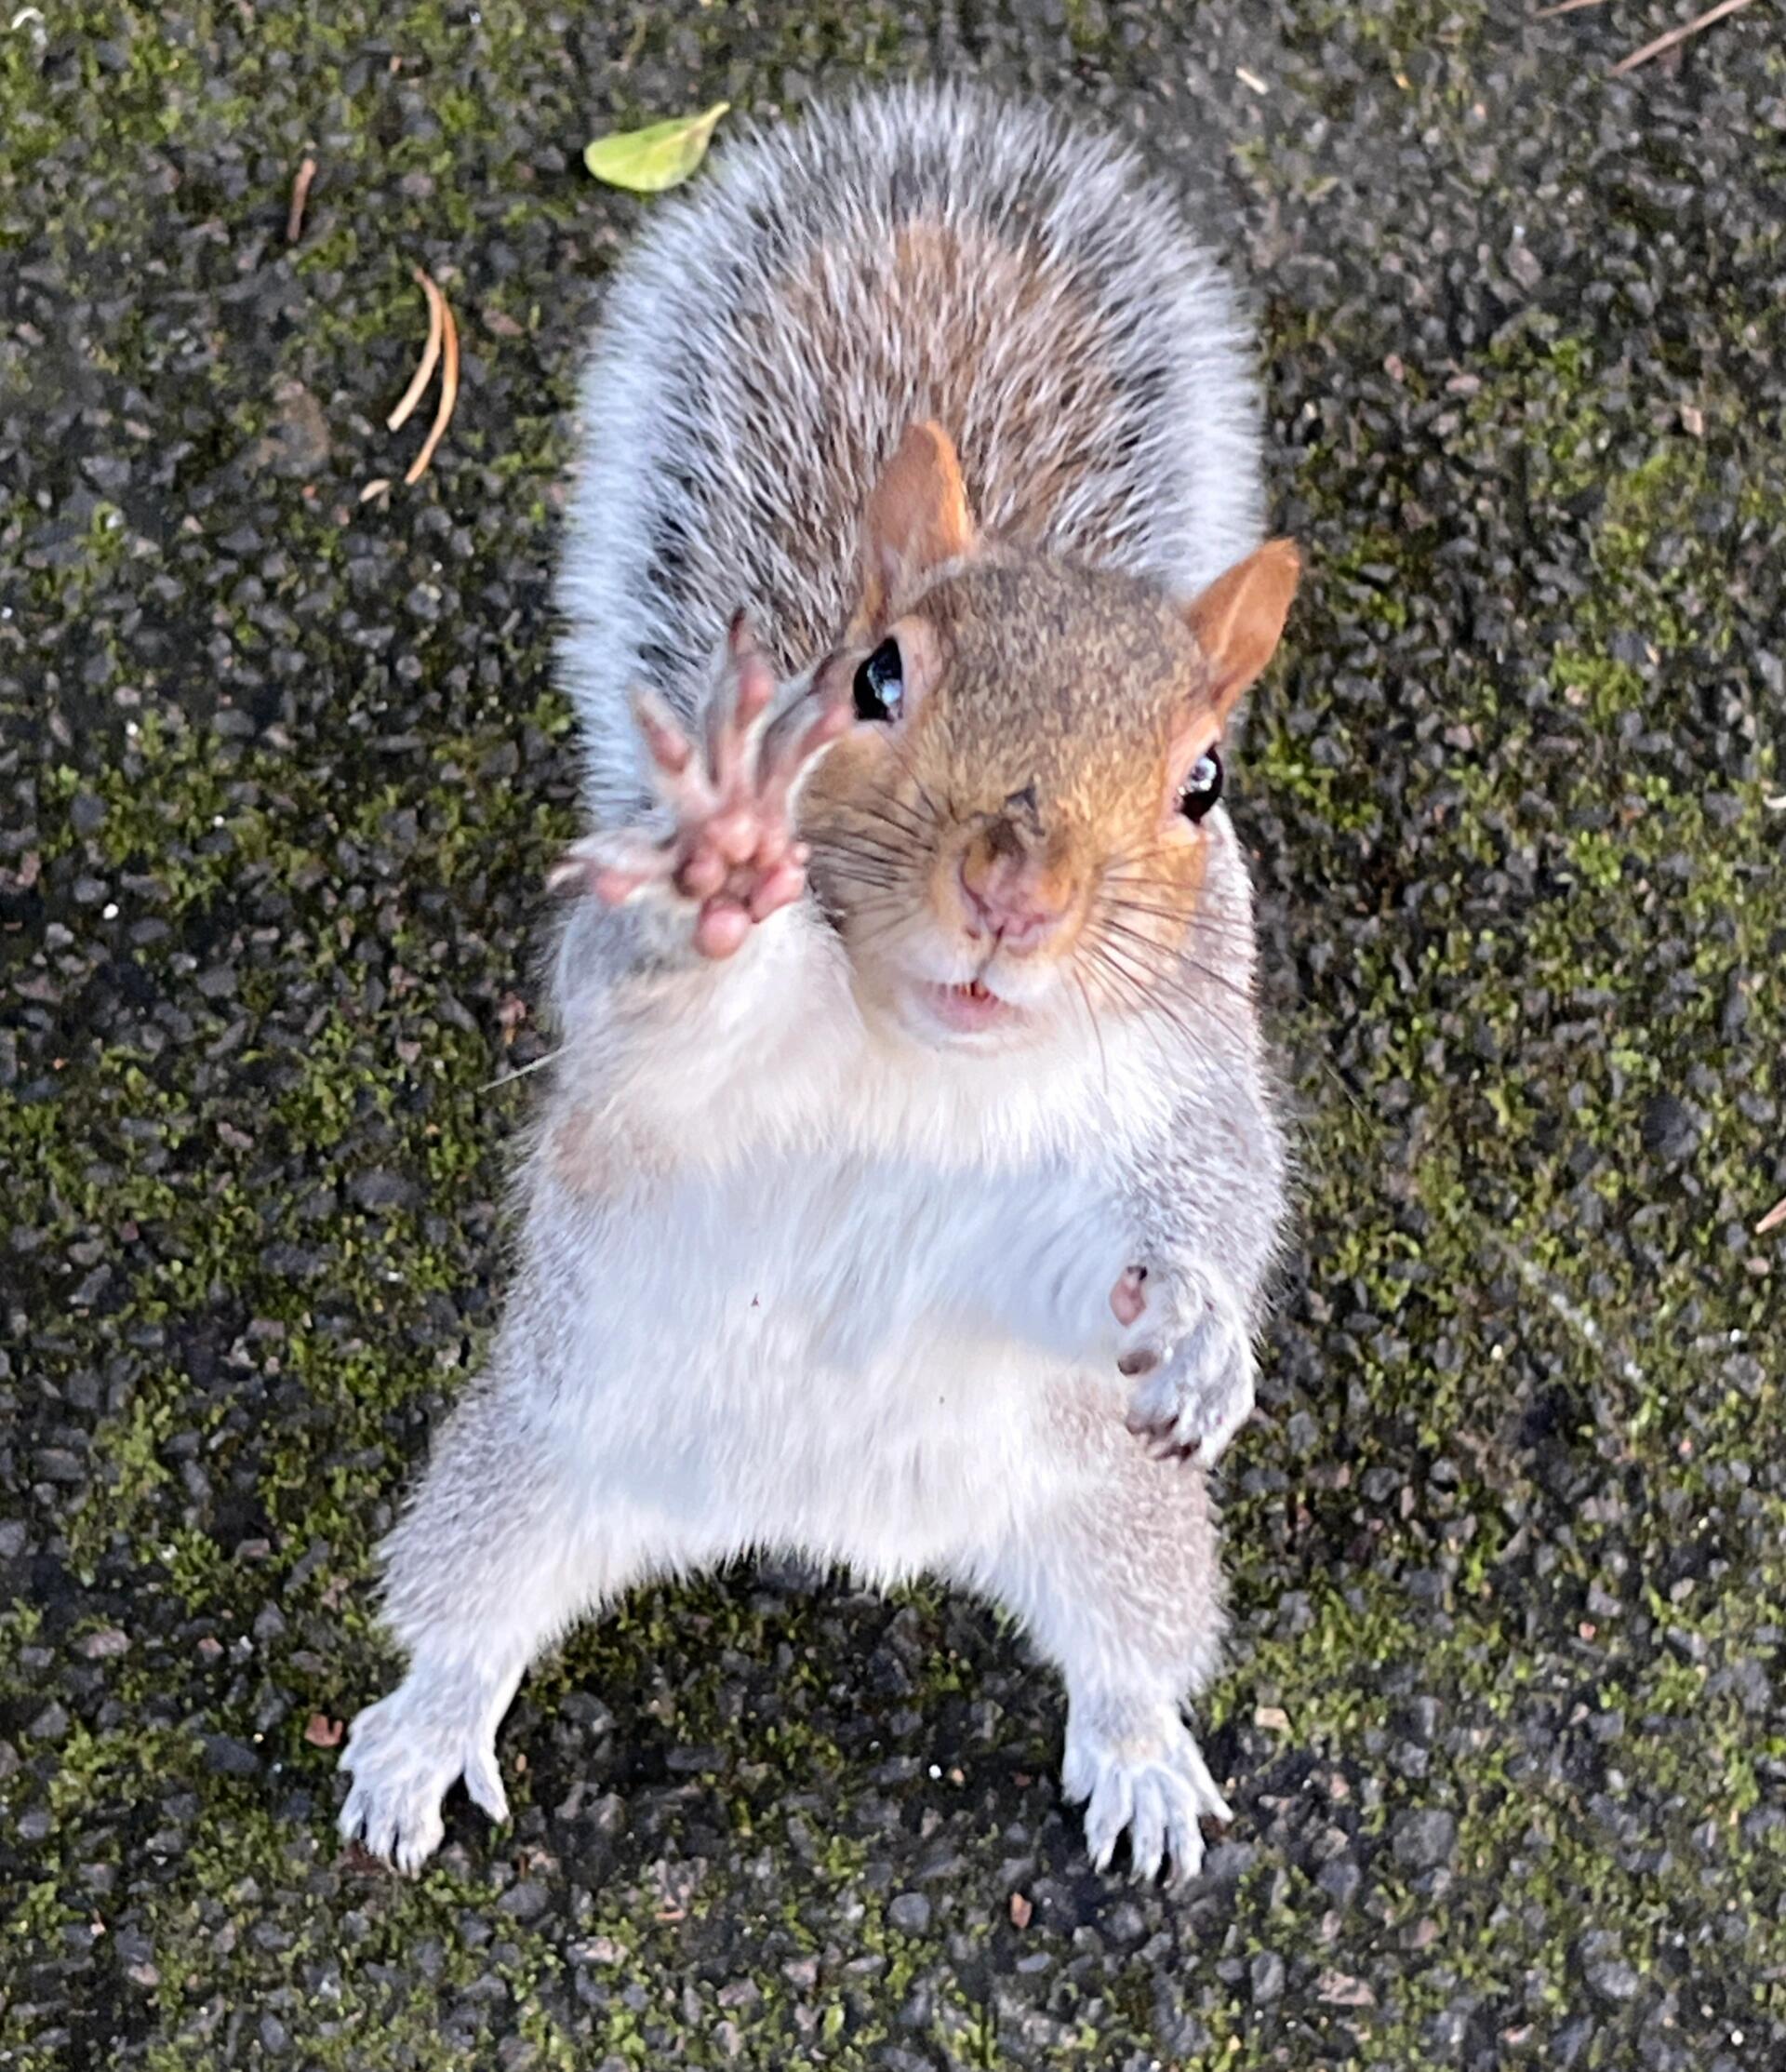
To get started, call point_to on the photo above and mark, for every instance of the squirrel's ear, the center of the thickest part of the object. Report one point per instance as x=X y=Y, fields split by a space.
x=1237 y=621
x=917 y=518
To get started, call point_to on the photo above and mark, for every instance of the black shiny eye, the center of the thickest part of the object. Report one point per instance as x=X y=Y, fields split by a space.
x=1203 y=787
x=880 y=684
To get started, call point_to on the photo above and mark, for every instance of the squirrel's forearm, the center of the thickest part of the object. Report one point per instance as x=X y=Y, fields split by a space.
x=1231 y=1233
x=680 y=1050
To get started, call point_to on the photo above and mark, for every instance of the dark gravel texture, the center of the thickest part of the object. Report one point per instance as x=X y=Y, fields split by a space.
x=281 y=773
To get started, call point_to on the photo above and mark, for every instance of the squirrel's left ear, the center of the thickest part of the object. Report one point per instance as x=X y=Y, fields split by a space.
x=1237 y=621
x=917 y=518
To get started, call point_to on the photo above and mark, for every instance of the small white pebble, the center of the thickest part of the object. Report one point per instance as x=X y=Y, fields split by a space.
x=109 y=911
x=936 y=1770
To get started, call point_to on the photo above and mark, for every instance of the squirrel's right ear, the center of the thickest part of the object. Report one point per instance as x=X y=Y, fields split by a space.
x=1238 y=620
x=917 y=518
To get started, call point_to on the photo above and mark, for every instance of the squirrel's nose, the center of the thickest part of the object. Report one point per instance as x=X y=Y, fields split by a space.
x=1007 y=897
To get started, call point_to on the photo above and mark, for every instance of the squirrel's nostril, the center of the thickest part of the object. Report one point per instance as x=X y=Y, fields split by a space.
x=1006 y=900
x=978 y=917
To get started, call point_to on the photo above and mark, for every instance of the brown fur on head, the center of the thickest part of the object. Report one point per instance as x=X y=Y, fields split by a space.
x=1018 y=823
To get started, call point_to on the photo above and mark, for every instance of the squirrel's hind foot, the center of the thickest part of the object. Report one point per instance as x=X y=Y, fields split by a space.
x=404 y=1754
x=1140 y=1772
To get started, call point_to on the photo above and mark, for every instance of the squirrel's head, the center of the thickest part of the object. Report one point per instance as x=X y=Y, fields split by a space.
x=1016 y=829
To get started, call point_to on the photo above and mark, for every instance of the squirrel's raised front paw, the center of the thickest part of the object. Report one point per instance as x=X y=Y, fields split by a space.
x=405 y=1754
x=1188 y=1347
x=1139 y=1768
x=731 y=852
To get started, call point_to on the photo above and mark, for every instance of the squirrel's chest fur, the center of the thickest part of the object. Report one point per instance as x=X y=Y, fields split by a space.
x=814 y=1346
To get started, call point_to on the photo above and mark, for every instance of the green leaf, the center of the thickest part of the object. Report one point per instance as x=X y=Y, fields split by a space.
x=661 y=156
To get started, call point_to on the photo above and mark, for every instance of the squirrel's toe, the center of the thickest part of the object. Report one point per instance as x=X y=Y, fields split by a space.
x=484 y=1781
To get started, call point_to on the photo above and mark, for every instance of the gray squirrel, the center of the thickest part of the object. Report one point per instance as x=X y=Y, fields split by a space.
x=906 y=1184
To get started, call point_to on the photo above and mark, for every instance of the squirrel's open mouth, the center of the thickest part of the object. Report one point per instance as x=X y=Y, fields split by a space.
x=969 y=1009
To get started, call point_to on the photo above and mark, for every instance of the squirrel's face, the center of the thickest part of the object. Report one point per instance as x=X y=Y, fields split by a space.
x=1016 y=831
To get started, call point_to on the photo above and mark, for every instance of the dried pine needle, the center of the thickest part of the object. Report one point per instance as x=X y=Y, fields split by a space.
x=1673 y=37
x=1772 y=1220
x=430 y=354
x=448 y=394
x=300 y=198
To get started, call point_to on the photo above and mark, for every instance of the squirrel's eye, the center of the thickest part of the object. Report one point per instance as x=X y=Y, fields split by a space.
x=1203 y=787
x=880 y=684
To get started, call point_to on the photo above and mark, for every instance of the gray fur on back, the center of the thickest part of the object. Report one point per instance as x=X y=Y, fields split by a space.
x=929 y=251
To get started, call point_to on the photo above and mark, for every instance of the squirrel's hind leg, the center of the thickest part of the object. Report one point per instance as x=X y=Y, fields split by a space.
x=1118 y=1583
x=504 y=1546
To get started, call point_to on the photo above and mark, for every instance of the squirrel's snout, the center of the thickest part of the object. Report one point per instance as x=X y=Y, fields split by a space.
x=1009 y=895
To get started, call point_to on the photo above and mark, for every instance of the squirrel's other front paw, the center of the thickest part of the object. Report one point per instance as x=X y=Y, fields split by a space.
x=1188 y=1347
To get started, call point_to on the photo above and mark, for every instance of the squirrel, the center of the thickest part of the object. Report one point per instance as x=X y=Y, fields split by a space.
x=911 y=1170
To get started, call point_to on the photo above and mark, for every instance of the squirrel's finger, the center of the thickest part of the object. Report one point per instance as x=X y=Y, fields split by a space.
x=735 y=834
x=732 y=726
x=670 y=748
x=780 y=887
x=681 y=781
x=570 y=873
x=785 y=765
x=722 y=926
x=833 y=721
x=702 y=871
x=753 y=680
x=799 y=734
x=1151 y=1421
x=1226 y=1429
x=1126 y=1300
x=611 y=886
x=774 y=842
x=614 y=888
x=612 y=867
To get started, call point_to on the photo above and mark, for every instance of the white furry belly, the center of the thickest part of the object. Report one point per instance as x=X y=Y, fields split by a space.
x=773 y=1367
